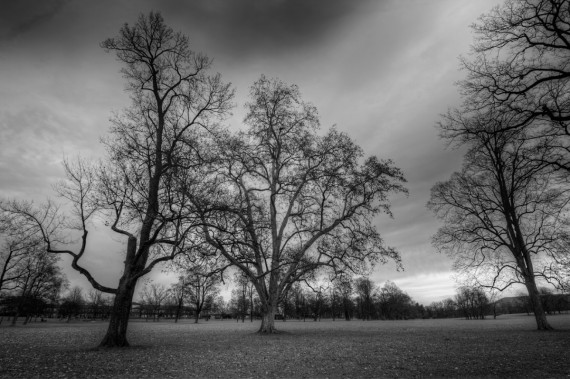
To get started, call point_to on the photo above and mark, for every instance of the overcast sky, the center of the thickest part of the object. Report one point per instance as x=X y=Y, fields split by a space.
x=381 y=70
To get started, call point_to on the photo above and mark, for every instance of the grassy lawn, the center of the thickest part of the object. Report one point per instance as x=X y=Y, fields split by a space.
x=506 y=347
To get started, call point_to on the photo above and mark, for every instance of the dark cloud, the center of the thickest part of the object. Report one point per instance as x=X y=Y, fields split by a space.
x=19 y=17
x=262 y=25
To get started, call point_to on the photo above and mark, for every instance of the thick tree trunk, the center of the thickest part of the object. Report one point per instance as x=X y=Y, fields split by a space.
x=539 y=314
x=267 y=320
x=119 y=318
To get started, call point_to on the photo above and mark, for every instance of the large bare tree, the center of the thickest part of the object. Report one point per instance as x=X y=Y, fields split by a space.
x=521 y=62
x=296 y=201
x=503 y=213
x=155 y=150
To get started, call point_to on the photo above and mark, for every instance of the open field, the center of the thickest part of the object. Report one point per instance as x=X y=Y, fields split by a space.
x=506 y=347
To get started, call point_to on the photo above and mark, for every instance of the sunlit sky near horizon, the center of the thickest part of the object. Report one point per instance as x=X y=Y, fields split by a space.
x=381 y=70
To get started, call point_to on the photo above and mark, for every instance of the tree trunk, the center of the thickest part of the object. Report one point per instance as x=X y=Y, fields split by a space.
x=268 y=320
x=251 y=306
x=15 y=318
x=119 y=318
x=178 y=310
x=536 y=304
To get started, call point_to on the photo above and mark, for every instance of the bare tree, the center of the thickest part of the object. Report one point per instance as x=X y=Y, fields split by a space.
x=521 y=58
x=344 y=287
x=178 y=293
x=72 y=304
x=241 y=296
x=503 y=212
x=154 y=296
x=202 y=285
x=520 y=63
x=17 y=243
x=394 y=303
x=155 y=150
x=296 y=202
x=473 y=302
x=98 y=303
x=41 y=281
x=366 y=292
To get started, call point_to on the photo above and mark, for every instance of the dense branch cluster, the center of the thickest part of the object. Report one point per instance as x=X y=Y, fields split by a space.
x=298 y=202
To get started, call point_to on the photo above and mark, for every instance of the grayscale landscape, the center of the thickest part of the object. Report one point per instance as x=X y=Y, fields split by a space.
x=285 y=188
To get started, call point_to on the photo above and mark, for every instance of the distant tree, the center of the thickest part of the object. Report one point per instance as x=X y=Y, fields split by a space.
x=335 y=300
x=202 y=285
x=239 y=303
x=316 y=300
x=41 y=283
x=343 y=285
x=72 y=304
x=98 y=303
x=17 y=243
x=178 y=293
x=297 y=202
x=154 y=295
x=547 y=298
x=298 y=301
x=395 y=303
x=493 y=299
x=366 y=291
x=473 y=302
x=220 y=307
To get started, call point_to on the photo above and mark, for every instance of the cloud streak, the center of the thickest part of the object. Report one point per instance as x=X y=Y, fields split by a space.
x=20 y=17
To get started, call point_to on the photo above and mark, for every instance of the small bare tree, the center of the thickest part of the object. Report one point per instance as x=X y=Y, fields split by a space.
x=17 y=244
x=154 y=296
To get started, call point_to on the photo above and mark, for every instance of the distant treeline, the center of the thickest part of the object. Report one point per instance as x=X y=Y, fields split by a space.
x=358 y=299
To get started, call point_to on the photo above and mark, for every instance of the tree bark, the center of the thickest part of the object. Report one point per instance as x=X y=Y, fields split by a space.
x=536 y=304
x=119 y=318
x=268 y=320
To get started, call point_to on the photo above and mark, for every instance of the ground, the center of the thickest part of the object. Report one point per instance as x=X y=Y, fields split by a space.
x=506 y=347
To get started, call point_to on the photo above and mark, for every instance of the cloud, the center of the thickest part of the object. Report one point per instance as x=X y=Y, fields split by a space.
x=257 y=27
x=428 y=287
x=19 y=17
x=33 y=140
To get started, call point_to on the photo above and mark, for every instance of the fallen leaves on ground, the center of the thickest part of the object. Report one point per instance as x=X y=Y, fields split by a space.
x=506 y=347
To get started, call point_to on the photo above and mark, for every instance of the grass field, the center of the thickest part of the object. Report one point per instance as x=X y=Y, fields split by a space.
x=506 y=347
